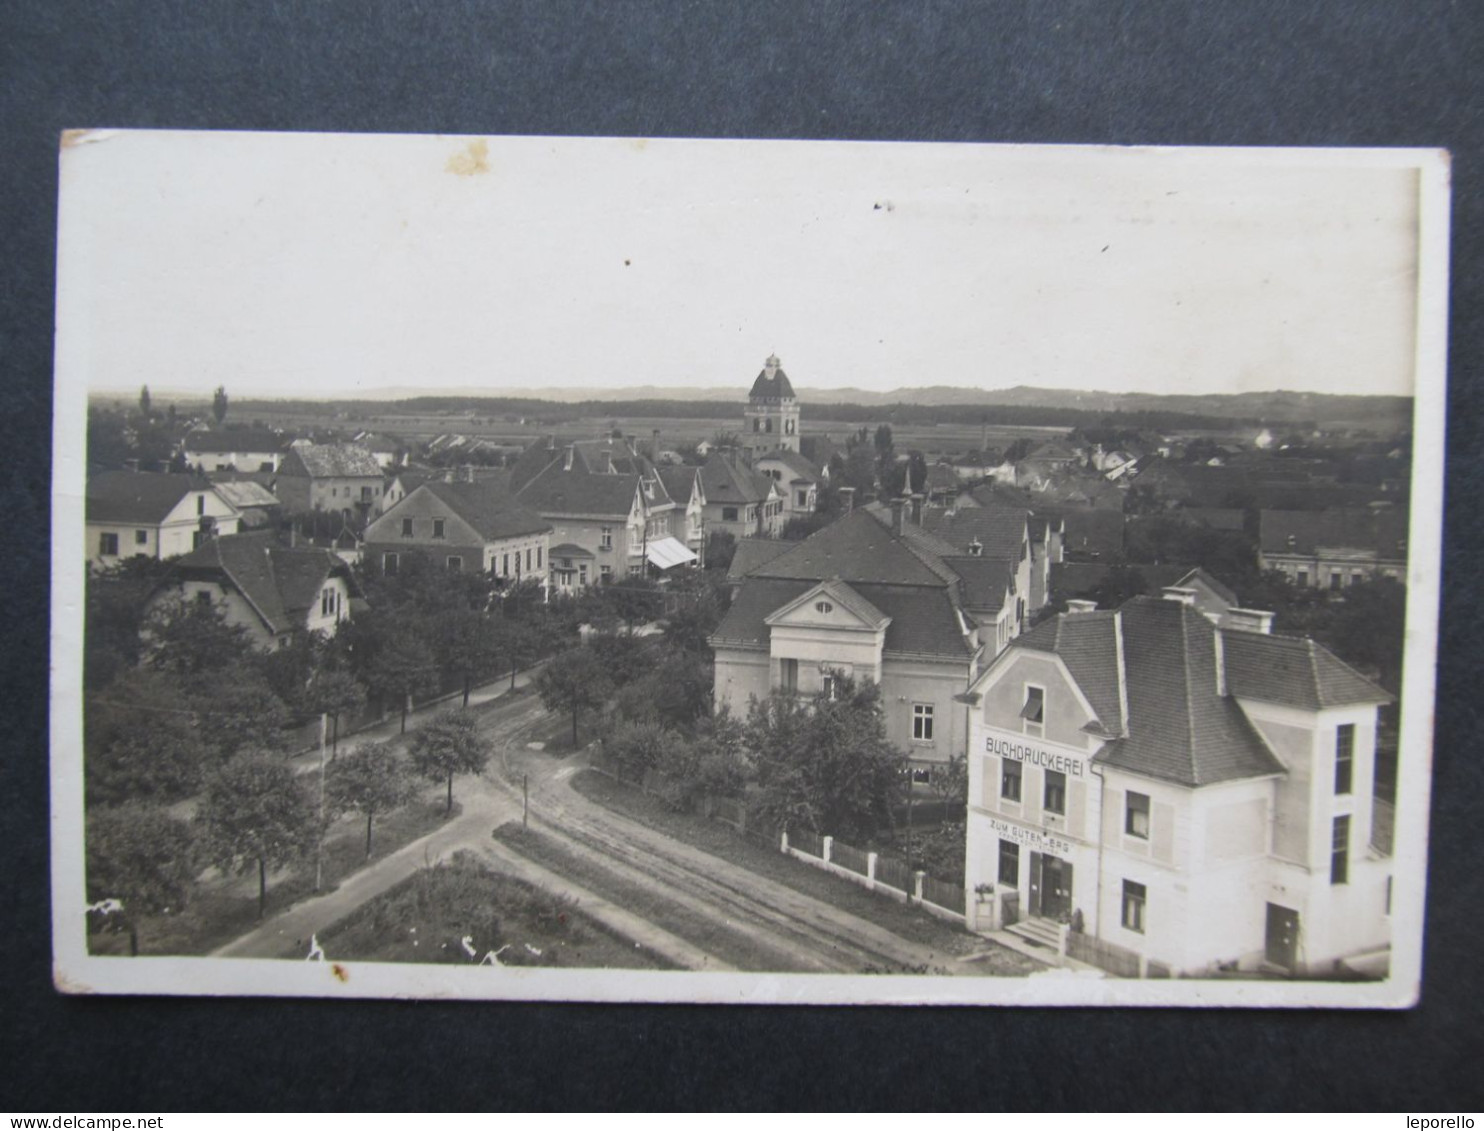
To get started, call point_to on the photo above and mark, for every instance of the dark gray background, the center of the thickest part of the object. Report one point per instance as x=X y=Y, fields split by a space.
x=1278 y=73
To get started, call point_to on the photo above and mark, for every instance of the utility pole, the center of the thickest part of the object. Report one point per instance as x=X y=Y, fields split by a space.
x=525 y=801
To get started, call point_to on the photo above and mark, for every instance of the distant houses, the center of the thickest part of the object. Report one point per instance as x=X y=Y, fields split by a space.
x=467 y=527
x=153 y=515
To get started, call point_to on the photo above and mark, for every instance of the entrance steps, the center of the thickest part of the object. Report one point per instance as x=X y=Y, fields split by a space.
x=1041 y=932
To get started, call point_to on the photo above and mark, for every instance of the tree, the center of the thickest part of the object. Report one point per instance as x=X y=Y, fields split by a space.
x=256 y=813
x=143 y=857
x=334 y=692
x=219 y=405
x=192 y=638
x=161 y=759
x=468 y=646
x=574 y=681
x=402 y=668
x=144 y=404
x=239 y=710
x=372 y=780
x=450 y=744
x=721 y=547
x=116 y=598
x=826 y=763
x=724 y=438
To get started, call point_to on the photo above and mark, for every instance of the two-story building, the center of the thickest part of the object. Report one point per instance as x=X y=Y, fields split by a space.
x=153 y=515
x=329 y=477
x=477 y=527
x=1184 y=797
x=855 y=598
x=740 y=501
x=271 y=590
x=1334 y=549
x=797 y=480
x=610 y=513
x=688 y=525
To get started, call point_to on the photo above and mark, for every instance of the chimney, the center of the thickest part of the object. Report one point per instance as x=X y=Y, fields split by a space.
x=847 y=499
x=567 y=462
x=1177 y=594
x=607 y=461
x=898 y=511
x=917 y=509
x=654 y=446
x=551 y=443
x=1081 y=605
x=1248 y=620
x=468 y=473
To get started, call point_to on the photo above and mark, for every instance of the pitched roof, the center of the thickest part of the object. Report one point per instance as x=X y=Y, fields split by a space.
x=1212 y=583
x=254 y=440
x=927 y=547
x=279 y=582
x=1382 y=530
x=855 y=548
x=999 y=531
x=329 y=461
x=752 y=553
x=1092 y=530
x=843 y=595
x=1293 y=671
x=985 y=583
x=679 y=481
x=244 y=493
x=923 y=621
x=556 y=491
x=138 y=496
x=1179 y=726
x=488 y=507
x=802 y=466
x=726 y=481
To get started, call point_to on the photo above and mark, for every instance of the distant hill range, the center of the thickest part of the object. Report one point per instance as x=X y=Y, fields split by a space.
x=1022 y=404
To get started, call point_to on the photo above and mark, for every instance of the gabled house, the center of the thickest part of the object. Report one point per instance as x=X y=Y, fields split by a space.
x=402 y=483
x=683 y=485
x=1167 y=796
x=997 y=531
x=740 y=501
x=610 y=512
x=1336 y=548
x=273 y=591
x=477 y=527
x=153 y=515
x=255 y=503
x=796 y=477
x=233 y=449
x=390 y=453
x=329 y=477
x=859 y=599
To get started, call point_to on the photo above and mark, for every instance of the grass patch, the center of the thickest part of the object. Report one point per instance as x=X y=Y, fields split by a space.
x=556 y=737
x=721 y=840
x=227 y=908
x=695 y=927
x=427 y=917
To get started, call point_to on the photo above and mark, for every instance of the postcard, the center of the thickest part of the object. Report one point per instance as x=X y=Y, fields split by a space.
x=637 y=570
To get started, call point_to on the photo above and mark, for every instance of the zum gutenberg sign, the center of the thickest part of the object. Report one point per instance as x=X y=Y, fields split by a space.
x=1032 y=755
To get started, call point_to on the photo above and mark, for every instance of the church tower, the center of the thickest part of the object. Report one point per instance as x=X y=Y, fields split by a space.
x=771 y=420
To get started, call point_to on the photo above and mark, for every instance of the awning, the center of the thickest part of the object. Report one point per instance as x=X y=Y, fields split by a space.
x=664 y=553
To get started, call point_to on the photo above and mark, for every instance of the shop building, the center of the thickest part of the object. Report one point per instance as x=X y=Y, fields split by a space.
x=1187 y=794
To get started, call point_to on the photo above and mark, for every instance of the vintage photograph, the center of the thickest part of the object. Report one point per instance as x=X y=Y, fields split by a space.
x=744 y=571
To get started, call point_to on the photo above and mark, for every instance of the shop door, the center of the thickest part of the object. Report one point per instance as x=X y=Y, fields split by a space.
x=1033 y=905
x=1282 y=936
x=1056 y=887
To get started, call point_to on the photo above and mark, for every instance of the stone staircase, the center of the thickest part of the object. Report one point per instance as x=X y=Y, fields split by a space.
x=1039 y=932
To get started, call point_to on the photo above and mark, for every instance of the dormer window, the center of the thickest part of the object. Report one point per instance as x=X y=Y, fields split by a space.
x=976 y=548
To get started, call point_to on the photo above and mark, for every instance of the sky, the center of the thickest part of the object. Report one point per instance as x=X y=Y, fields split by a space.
x=345 y=265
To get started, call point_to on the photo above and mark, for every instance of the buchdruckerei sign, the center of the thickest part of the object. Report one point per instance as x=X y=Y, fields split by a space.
x=1032 y=755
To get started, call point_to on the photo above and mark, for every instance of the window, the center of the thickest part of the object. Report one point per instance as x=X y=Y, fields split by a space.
x=1356 y=577
x=365 y=494
x=922 y=722
x=606 y=573
x=1134 y=896
x=581 y=570
x=1339 y=852
x=823 y=607
x=437 y=528
x=768 y=425
x=1344 y=757
x=108 y=545
x=504 y=565
x=827 y=686
x=757 y=425
x=788 y=676
x=407 y=528
x=455 y=563
x=803 y=498
x=1054 y=799
x=326 y=601
x=1034 y=711
x=1136 y=815
x=200 y=504
x=528 y=559
x=729 y=514
x=203 y=597
x=605 y=539
x=538 y=557
x=141 y=537
x=1336 y=579
x=389 y=564
x=1009 y=863
x=1010 y=780
x=1302 y=579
